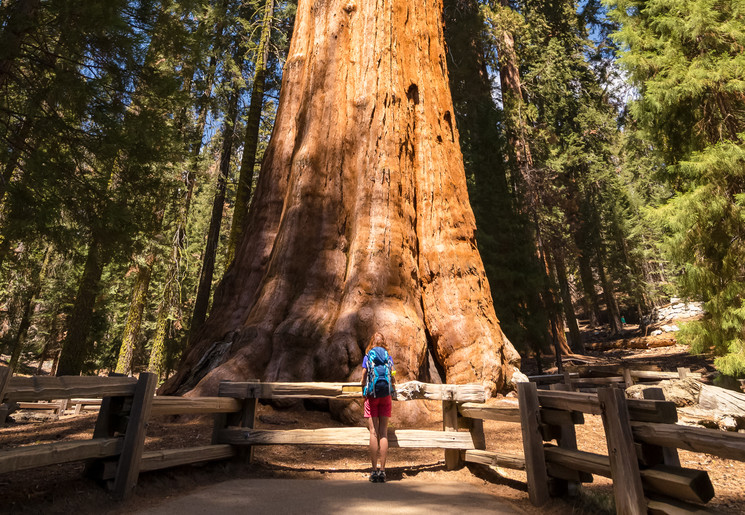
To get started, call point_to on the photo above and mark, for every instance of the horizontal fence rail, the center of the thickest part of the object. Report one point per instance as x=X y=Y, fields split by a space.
x=59 y=452
x=412 y=390
x=640 y=409
x=359 y=436
x=696 y=439
x=52 y=388
x=506 y=412
x=194 y=405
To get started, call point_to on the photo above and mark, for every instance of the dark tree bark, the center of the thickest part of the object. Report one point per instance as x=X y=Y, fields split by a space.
x=170 y=296
x=589 y=298
x=251 y=139
x=360 y=222
x=576 y=343
x=526 y=181
x=553 y=306
x=611 y=306
x=75 y=347
x=37 y=281
x=204 y=289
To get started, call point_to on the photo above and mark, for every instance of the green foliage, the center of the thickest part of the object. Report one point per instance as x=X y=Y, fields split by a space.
x=687 y=60
x=566 y=116
x=704 y=227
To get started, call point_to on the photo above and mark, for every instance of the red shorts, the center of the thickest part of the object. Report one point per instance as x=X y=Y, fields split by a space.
x=378 y=407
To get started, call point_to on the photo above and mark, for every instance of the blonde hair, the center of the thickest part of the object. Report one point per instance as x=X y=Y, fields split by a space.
x=376 y=340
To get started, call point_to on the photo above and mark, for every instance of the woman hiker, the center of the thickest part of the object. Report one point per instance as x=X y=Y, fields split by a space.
x=377 y=386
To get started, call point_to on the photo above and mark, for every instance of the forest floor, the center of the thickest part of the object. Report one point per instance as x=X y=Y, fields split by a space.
x=62 y=488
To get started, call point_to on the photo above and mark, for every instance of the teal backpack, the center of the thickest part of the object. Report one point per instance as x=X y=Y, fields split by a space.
x=379 y=371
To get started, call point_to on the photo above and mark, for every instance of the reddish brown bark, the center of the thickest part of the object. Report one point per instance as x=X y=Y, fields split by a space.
x=361 y=221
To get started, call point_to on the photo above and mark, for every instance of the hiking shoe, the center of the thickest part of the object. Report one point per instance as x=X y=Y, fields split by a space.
x=381 y=476
x=374 y=476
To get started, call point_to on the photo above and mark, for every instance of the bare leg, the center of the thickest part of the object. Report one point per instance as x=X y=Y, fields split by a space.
x=372 y=423
x=382 y=440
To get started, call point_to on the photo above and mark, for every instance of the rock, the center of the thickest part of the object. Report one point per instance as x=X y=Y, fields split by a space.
x=682 y=393
x=656 y=332
x=666 y=328
x=674 y=328
x=728 y=423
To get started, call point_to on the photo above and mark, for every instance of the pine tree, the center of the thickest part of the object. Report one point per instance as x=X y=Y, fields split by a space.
x=686 y=58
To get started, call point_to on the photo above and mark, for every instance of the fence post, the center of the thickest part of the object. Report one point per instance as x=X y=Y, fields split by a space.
x=244 y=418
x=627 y=377
x=568 y=380
x=450 y=423
x=624 y=467
x=108 y=422
x=669 y=454
x=567 y=440
x=248 y=420
x=128 y=468
x=535 y=460
x=475 y=426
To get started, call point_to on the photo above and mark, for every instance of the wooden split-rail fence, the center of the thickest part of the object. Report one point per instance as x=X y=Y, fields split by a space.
x=641 y=434
x=588 y=378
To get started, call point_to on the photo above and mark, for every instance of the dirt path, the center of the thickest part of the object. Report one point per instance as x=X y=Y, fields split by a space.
x=307 y=497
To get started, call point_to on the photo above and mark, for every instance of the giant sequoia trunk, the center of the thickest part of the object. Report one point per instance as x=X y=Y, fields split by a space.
x=361 y=221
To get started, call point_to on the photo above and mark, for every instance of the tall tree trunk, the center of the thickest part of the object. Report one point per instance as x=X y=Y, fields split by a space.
x=360 y=221
x=213 y=234
x=20 y=338
x=611 y=306
x=512 y=98
x=589 y=298
x=576 y=344
x=134 y=316
x=524 y=176
x=506 y=248
x=171 y=286
x=251 y=139
x=157 y=352
x=553 y=307
x=50 y=342
x=42 y=358
x=204 y=290
x=75 y=347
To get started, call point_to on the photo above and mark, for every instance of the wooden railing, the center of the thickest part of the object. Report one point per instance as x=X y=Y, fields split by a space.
x=642 y=439
x=588 y=378
x=449 y=438
x=642 y=435
x=116 y=451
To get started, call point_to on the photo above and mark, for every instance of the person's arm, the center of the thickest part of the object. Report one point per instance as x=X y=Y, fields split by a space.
x=363 y=381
